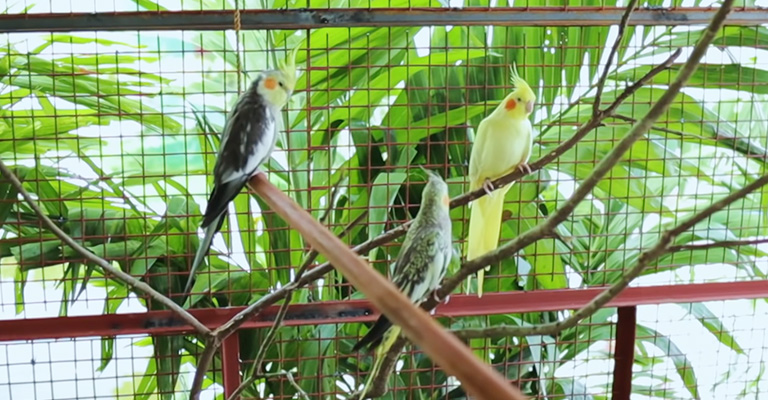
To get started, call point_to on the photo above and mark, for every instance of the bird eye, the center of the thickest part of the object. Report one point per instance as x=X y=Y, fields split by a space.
x=280 y=83
x=519 y=100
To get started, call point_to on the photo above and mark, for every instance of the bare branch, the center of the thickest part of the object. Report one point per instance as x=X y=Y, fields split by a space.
x=645 y=259
x=379 y=384
x=611 y=55
x=661 y=128
x=319 y=271
x=715 y=245
x=629 y=91
x=303 y=278
x=602 y=168
x=299 y=390
x=104 y=264
x=442 y=347
x=465 y=198
x=268 y=340
x=203 y=363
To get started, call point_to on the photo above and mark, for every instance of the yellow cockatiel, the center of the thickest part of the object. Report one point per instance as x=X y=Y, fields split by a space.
x=502 y=144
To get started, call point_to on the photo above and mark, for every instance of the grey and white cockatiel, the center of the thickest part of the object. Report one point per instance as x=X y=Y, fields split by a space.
x=249 y=137
x=420 y=266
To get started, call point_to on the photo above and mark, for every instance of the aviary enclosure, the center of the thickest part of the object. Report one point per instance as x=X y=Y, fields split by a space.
x=632 y=261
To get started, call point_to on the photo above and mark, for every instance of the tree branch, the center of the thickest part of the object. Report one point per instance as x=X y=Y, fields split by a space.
x=611 y=55
x=715 y=245
x=442 y=347
x=318 y=272
x=602 y=168
x=268 y=340
x=303 y=278
x=379 y=384
x=644 y=260
x=203 y=363
x=458 y=201
x=104 y=264
x=465 y=198
x=661 y=128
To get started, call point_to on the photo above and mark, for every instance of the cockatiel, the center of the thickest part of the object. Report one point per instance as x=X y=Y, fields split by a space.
x=502 y=144
x=249 y=137
x=420 y=266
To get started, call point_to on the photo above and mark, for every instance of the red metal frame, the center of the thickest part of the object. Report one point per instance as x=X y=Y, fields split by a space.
x=164 y=322
x=230 y=364
x=624 y=356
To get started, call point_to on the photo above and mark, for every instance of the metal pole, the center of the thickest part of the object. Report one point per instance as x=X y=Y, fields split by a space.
x=379 y=17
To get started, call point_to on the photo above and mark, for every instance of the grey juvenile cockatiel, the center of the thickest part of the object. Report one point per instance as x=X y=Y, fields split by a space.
x=420 y=266
x=248 y=139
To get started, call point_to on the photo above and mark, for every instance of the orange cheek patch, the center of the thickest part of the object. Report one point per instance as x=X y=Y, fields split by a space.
x=446 y=201
x=270 y=83
x=511 y=104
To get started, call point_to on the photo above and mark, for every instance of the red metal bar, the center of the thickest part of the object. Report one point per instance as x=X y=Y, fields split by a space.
x=624 y=355
x=164 y=322
x=230 y=364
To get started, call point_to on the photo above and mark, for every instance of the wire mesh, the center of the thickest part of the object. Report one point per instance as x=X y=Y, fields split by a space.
x=116 y=133
x=77 y=368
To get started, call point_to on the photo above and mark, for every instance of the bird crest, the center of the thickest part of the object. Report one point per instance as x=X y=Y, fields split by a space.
x=517 y=81
x=430 y=174
x=288 y=67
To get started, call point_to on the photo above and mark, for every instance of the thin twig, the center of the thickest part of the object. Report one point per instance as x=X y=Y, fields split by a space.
x=104 y=264
x=203 y=363
x=268 y=340
x=331 y=200
x=715 y=245
x=303 y=278
x=318 y=272
x=546 y=159
x=645 y=259
x=661 y=128
x=379 y=384
x=531 y=236
x=611 y=55
x=299 y=390
x=602 y=168
x=231 y=326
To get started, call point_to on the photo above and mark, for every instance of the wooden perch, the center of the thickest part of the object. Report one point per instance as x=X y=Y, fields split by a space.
x=441 y=346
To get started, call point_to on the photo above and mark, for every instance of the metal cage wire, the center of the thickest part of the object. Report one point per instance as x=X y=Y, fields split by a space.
x=115 y=133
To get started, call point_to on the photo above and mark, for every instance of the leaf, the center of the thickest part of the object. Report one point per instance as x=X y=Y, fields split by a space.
x=674 y=354
x=8 y=198
x=385 y=189
x=713 y=324
x=149 y=5
x=168 y=362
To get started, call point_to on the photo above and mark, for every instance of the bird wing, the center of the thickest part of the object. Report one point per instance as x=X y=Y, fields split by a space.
x=422 y=254
x=248 y=139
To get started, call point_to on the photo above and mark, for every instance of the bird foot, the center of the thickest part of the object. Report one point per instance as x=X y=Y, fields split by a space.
x=488 y=186
x=524 y=167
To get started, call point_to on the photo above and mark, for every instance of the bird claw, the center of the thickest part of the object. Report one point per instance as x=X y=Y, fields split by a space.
x=435 y=297
x=524 y=167
x=488 y=186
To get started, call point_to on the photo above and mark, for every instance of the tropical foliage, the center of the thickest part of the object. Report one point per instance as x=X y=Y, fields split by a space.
x=115 y=138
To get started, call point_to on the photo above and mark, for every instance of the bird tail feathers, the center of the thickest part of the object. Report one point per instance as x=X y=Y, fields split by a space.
x=202 y=250
x=381 y=352
x=484 y=229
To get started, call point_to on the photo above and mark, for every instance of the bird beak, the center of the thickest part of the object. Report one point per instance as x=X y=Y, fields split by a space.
x=529 y=107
